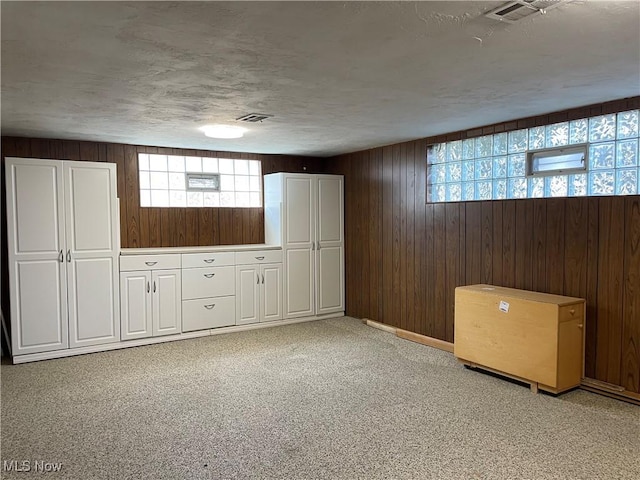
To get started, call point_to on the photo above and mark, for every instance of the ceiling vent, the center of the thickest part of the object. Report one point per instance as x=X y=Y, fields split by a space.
x=513 y=12
x=253 y=117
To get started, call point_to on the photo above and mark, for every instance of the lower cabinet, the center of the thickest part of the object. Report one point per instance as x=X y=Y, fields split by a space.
x=208 y=293
x=150 y=303
x=258 y=293
x=150 y=296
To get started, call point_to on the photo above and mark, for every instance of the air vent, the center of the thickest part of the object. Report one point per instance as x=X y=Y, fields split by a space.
x=512 y=12
x=253 y=117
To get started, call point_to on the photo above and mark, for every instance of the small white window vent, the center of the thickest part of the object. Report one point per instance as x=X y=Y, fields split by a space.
x=253 y=117
x=513 y=12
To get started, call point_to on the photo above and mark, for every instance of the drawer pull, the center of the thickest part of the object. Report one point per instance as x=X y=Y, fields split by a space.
x=580 y=325
x=572 y=311
x=210 y=306
x=209 y=260
x=151 y=264
x=209 y=275
x=259 y=258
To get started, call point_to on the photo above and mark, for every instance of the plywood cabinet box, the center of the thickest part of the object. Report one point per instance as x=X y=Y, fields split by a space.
x=534 y=337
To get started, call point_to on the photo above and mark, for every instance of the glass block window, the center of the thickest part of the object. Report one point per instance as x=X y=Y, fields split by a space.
x=494 y=167
x=177 y=181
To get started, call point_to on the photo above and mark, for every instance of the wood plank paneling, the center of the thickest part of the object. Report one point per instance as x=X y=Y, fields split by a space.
x=473 y=247
x=508 y=243
x=610 y=289
x=387 y=235
x=452 y=264
x=591 y=334
x=487 y=242
x=630 y=355
x=555 y=246
x=396 y=231
x=430 y=272
x=539 y=251
x=575 y=247
x=496 y=237
x=440 y=262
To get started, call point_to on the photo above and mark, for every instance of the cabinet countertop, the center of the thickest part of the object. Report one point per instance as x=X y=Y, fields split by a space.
x=216 y=248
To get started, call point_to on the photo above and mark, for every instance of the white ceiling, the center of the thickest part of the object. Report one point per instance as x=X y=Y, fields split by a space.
x=337 y=76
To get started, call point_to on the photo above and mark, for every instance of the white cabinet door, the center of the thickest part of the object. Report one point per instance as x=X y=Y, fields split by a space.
x=135 y=305
x=91 y=302
x=299 y=289
x=35 y=231
x=330 y=280
x=247 y=294
x=299 y=205
x=92 y=253
x=330 y=210
x=270 y=292
x=329 y=265
x=38 y=306
x=167 y=302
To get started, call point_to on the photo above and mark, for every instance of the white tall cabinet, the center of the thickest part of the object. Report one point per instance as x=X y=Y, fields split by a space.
x=305 y=214
x=63 y=240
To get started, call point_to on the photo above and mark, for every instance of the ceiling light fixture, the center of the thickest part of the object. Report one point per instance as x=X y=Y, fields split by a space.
x=223 y=131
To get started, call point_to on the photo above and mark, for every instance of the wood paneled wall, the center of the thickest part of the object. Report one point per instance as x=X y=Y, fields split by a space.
x=405 y=257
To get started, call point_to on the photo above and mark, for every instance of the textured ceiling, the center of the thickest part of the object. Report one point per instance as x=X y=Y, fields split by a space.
x=337 y=76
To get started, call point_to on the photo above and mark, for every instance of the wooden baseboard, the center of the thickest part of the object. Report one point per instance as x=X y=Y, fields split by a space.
x=608 y=390
x=412 y=336
x=380 y=326
x=424 y=340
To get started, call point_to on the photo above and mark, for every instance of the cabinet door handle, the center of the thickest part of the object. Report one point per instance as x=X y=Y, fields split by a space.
x=209 y=275
x=61 y=257
x=313 y=245
x=154 y=286
x=263 y=278
x=209 y=260
x=69 y=256
x=151 y=264
x=257 y=279
x=148 y=287
x=318 y=246
x=210 y=306
x=259 y=258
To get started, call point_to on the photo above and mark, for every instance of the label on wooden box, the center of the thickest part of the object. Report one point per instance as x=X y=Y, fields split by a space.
x=504 y=306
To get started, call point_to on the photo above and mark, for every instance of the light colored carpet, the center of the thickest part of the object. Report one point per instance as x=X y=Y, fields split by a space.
x=326 y=399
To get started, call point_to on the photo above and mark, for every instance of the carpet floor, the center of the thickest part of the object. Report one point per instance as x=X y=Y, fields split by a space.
x=331 y=399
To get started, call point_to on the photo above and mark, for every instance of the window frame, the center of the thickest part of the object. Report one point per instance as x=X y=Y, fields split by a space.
x=532 y=155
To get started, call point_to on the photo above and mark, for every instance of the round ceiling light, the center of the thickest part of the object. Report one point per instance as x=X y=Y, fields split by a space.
x=223 y=131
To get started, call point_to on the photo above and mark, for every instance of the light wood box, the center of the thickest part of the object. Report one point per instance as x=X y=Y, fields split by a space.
x=530 y=336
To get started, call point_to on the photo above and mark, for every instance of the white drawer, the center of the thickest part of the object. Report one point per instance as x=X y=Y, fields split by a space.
x=259 y=256
x=129 y=263
x=208 y=313
x=220 y=259
x=208 y=282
